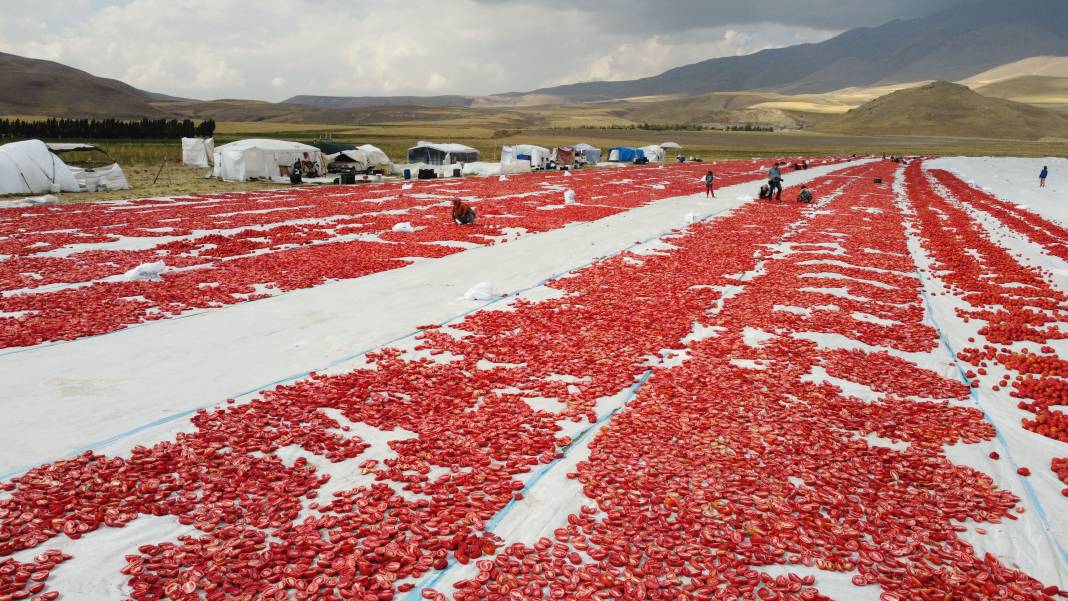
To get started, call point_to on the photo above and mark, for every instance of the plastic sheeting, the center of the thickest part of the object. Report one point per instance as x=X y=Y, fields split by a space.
x=625 y=154
x=591 y=154
x=197 y=152
x=261 y=159
x=654 y=153
x=432 y=153
x=535 y=156
x=110 y=177
x=30 y=168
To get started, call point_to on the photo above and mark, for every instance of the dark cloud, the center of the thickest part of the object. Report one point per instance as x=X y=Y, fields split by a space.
x=666 y=16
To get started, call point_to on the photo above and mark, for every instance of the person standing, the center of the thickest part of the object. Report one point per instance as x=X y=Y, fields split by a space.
x=710 y=180
x=1042 y=176
x=774 y=183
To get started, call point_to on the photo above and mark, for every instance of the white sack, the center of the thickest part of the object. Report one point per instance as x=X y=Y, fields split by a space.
x=480 y=292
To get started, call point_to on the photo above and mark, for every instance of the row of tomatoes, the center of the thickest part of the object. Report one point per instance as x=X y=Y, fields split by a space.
x=1053 y=237
x=1015 y=304
x=733 y=460
x=270 y=241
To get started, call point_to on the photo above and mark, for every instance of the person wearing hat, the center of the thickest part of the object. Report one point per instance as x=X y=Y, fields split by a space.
x=462 y=213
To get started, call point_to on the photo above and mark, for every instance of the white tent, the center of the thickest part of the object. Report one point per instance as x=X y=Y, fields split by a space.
x=591 y=154
x=670 y=145
x=100 y=172
x=654 y=153
x=262 y=159
x=30 y=168
x=108 y=177
x=197 y=152
x=363 y=158
x=376 y=157
x=433 y=153
x=535 y=155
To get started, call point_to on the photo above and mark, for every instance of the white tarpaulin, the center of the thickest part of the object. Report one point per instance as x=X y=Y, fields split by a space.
x=262 y=159
x=535 y=155
x=670 y=145
x=108 y=177
x=376 y=157
x=30 y=168
x=654 y=153
x=365 y=157
x=197 y=152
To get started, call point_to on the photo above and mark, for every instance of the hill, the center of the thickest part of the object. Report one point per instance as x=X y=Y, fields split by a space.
x=358 y=102
x=950 y=45
x=1042 y=66
x=947 y=109
x=1037 y=90
x=38 y=87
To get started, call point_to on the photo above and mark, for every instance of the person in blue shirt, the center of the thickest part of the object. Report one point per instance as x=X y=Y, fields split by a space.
x=1042 y=177
x=774 y=183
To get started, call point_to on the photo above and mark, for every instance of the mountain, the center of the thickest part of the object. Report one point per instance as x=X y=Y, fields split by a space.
x=359 y=102
x=949 y=45
x=948 y=109
x=39 y=87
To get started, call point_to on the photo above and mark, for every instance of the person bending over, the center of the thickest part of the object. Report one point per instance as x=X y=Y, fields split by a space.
x=462 y=213
x=805 y=195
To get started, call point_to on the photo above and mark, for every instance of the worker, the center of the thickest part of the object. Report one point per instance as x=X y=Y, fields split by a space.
x=774 y=183
x=1042 y=176
x=295 y=172
x=765 y=192
x=462 y=213
x=805 y=195
x=710 y=180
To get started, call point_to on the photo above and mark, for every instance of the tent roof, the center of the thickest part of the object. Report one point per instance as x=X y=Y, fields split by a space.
x=521 y=147
x=331 y=147
x=444 y=147
x=584 y=146
x=670 y=145
x=266 y=144
x=59 y=147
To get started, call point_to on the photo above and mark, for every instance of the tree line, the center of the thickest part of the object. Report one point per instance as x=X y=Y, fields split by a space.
x=102 y=129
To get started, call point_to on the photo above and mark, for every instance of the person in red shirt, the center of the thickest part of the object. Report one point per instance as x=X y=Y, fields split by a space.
x=462 y=213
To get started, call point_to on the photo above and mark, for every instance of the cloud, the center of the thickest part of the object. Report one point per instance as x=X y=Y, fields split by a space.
x=272 y=49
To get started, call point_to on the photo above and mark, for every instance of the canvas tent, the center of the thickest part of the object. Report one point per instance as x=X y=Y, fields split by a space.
x=625 y=154
x=591 y=154
x=92 y=167
x=332 y=147
x=672 y=145
x=262 y=159
x=197 y=152
x=564 y=155
x=430 y=153
x=536 y=156
x=654 y=153
x=30 y=168
x=362 y=158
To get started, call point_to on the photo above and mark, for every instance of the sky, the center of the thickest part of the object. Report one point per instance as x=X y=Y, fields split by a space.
x=274 y=49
